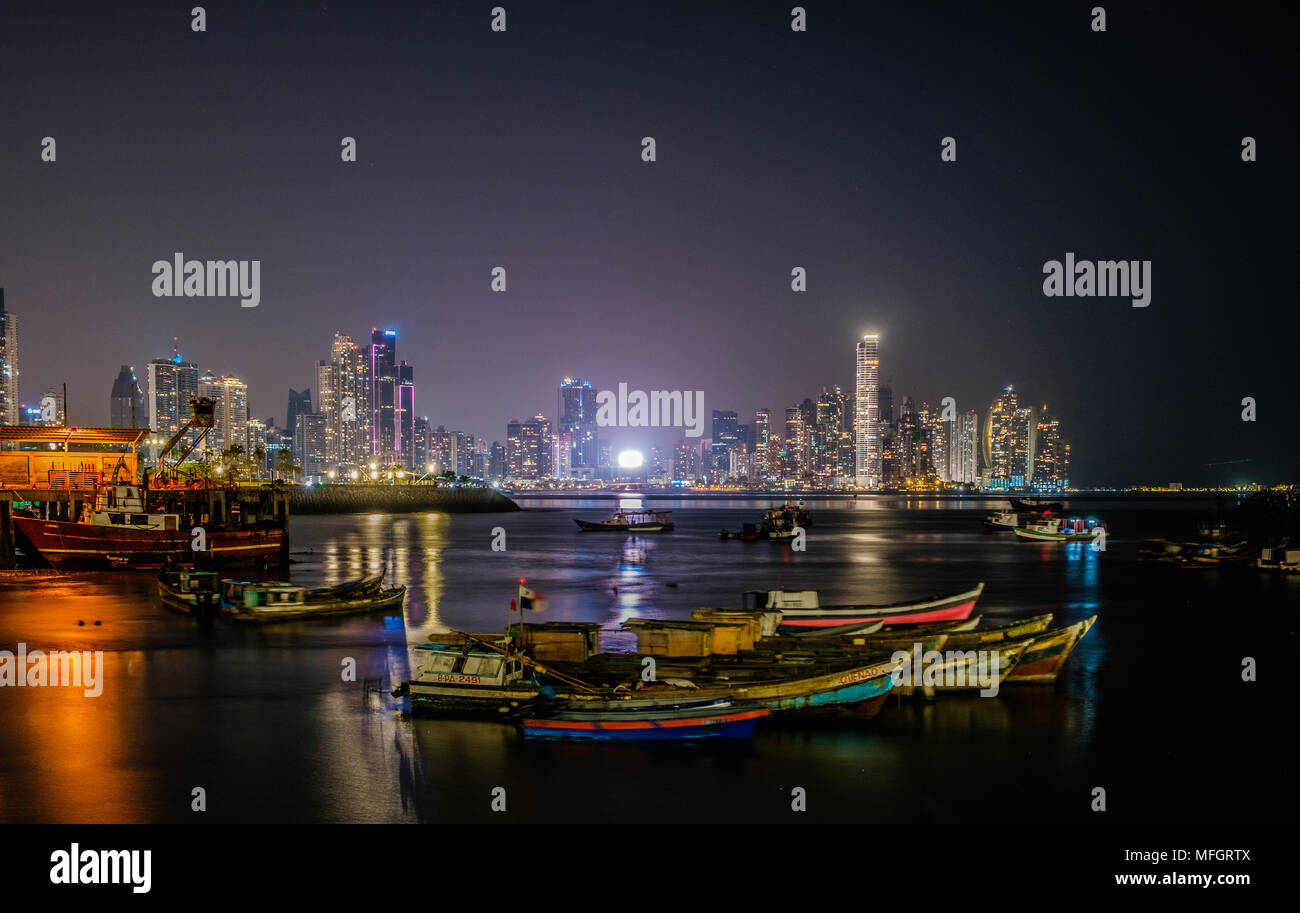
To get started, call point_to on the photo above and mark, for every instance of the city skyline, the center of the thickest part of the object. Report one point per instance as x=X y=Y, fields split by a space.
x=673 y=274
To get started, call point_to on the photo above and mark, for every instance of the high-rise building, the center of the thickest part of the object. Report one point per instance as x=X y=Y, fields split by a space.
x=126 y=408
x=1051 y=456
x=309 y=443
x=404 y=416
x=353 y=395
x=866 y=422
x=384 y=434
x=763 y=449
x=964 y=454
x=497 y=462
x=10 y=407
x=795 y=463
x=299 y=404
x=999 y=439
x=528 y=448
x=577 y=416
x=329 y=405
x=229 y=396
x=53 y=409
x=172 y=383
x=726 y=438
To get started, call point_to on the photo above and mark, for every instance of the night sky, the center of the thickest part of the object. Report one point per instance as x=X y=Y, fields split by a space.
x=775 y=149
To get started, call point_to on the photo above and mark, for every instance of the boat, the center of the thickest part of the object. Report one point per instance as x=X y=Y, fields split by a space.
x=486 y=677
x=1006 y=519
x=778 y=524
x=266 y=601
x=121 y=530
x=201 y=592
x=1033 y=505
x=956 y=669
x=1060 y=530
x=1215 y=545
x=1283 y=559
x=716 y=719
x=630 y=521
x=1047 y=653
x=802 y=609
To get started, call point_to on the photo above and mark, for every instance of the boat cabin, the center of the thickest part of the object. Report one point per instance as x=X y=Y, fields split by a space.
x=765 y=623
x=473 y=664
x=123 y=505
x=776 y=600
x=251 y=593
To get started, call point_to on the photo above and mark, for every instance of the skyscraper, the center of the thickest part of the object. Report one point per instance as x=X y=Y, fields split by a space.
x=9 y=405
x=384 y=434
x=328 y=404
x=354 y=402
x=126 y=408
x=577 y=417
x=173 y=382
x=1051 y=456
x=528 y=448
x=726 y=436
x=964 y=458
x=866 y=422
x=230 y=411
x=404 y=416
x=763 y=449
x=299 y=404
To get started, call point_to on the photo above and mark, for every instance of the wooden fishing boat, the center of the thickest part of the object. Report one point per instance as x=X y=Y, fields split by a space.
x=630 y=521
x=201 y=592
x=1030 y=505
x=1006 y=519
x=483 y=679
x=1059 y=530
x=1047 y=653
x=779 y=524
x=189 y=590
x=802 y=609
x=266 y=601
x=952 y=669
x=714 y=720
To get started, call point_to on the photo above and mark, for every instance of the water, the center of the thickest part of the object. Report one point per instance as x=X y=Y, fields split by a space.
x=1151 y=705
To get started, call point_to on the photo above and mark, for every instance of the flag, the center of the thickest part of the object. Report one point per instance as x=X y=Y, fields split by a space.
x=529 y=600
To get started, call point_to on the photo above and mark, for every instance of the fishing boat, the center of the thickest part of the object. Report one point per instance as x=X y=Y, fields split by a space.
x=1060 y=530
x=779 y=524
x=201 y=591
x=1006 y=519
x=952 y=669
x=1047 y=653
x=485 y=677
x=1033 y=505
x=719 y=719
x=802 y=609
x=122 y=530
x=272 y=600
x=1283 y=559
x=630 y=521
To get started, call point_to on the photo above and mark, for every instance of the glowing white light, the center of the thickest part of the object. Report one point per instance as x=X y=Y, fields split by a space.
x=630 y=459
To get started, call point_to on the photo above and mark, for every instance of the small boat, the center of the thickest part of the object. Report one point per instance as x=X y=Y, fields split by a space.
x=779 y=524
x=1047 y=653
x=1059 y=530
x=802 y=609
x=200 y=592
x=715 y=720
x=272 y=600
x=1006 y=519
x=1283 y=559
x=1032 y=505
x=630 y=521
x=189 y=590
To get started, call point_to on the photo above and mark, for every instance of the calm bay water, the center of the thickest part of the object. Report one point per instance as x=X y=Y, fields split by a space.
x=1151 y=705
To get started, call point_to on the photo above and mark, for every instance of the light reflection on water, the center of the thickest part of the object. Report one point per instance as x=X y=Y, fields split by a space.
x=261 y=718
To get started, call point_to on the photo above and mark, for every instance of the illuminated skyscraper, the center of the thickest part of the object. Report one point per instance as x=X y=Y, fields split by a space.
x=576 y=416
x=384 y=435
x=353 y=395
x=9 y=405
x=763 y=450
x=866 y=422
x=229 y=396
x=172 y=383
x=1051 y=456
x=404 y=415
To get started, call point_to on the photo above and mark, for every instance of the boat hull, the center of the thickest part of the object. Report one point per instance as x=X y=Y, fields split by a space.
x=1043 y=659
x=67 y=545
x=953 y=607
x=363 y=605
x=731 y=724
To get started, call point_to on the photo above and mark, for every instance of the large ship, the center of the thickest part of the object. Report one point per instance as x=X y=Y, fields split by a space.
x=128 y=523
x=120 y=530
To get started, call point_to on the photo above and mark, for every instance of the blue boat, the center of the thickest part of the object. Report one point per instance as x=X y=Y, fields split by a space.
x=711 y=720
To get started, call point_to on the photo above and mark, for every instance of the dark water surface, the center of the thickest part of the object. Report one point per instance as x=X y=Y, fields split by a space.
x=1151 y=706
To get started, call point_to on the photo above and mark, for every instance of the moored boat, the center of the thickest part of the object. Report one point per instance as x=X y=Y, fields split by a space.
x=1060 y=530
x=717 y=719
x=267 y=601
x=1047 y=653
x=802 y=609
x=630 y=521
